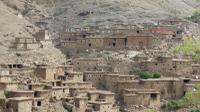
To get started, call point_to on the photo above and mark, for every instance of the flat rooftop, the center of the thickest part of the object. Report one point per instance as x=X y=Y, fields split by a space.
x=101 y=92
x=20 y=99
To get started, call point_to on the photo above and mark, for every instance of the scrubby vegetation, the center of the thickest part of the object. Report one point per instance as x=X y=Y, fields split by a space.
x=149 y=110
x=197 y=110
x=6 y=94
x=145 y=74
x=190 y=99
x=190 y=47
x=195 y=17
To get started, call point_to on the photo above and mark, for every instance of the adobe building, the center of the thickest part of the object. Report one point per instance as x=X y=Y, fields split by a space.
x=196 y=69
x=145 y=97
x=111 y=80
x=167 y=66
x=52 y=83
x=90 y=43
x=58 y=93
x=73 y=84
x=39 y=104
x=87 y=64
x=102 y=106
x=95 y=77
x=138 y=42
x=121 y=85
x=121 y=66
x=45 y=94
x=75 y=76
x=182 y=66
x=20 y=93
x=12 y=66
x=7 y=78
x=42 y=35
x=95 y=95
x=115 y=42
x=102 y=101
x=107 y=38
x=9 y=85
x=20 y=104
x=36 y=86
x=45 y=72
x=169 y=88
x=48 y=72
x=78 y=91
x=25 y=44
x=80 y=104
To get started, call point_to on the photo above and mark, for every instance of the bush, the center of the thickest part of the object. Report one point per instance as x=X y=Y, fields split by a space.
x=190 y=99
x=173 y=105
x=156 y=75
x=195 y=17
x=197 y=110
x=6 y=93
x=145 y=74
x=189 y=46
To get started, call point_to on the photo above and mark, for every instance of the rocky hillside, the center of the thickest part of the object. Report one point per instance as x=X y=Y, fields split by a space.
x=12 y=26
x=91 y=12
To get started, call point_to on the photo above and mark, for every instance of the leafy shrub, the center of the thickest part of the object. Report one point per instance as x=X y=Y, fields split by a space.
x=6 y=93
x=156 y=75
x=190 y=99
x=197 y=110
x=145 y=74
x=195 y=17
x=189 y=46
x=173 y=105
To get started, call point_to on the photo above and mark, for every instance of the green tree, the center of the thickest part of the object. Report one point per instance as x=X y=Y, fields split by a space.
x=156 y=75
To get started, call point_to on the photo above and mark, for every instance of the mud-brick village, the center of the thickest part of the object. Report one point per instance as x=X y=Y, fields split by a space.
x=99 y=56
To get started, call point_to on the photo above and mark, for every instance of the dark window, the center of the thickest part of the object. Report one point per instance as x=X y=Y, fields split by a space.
x=10 y=66
x=90 y=44
x=187 y=81
x=39 y=103
x=35 y=94
x=14 y=66
x=114 y=44
x=154 y=96
x=30 y=87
